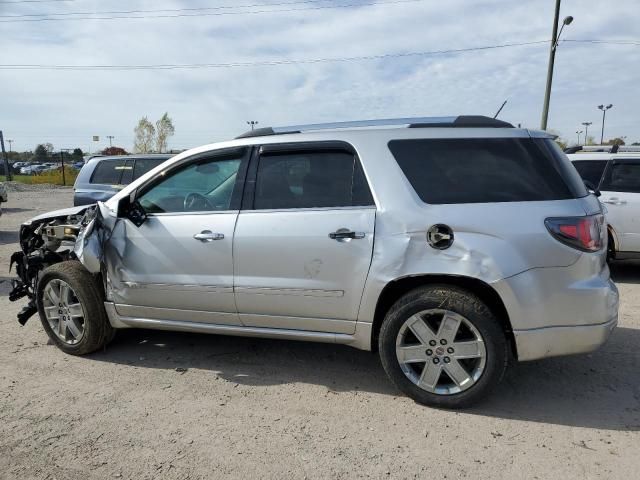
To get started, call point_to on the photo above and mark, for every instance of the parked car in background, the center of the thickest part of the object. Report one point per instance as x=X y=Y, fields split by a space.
x=448 y=245
x=617 y=175
x=16 y=166
x=101 y=177
x=33 y=169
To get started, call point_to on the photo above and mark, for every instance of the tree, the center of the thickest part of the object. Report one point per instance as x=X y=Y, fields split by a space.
x=590 y=140
x=41 y=154
x=615 y=141
x=164 y=129
x=77 y=154
x=145 y=136
x=114 y=151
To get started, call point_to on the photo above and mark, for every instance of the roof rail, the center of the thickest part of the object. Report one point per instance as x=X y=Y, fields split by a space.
x=603 y=148
x=461 y=121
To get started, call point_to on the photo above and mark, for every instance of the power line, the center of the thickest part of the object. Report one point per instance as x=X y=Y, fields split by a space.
x=34 y=1
x=606 y=42
x=166 y=10
x=202 y=13
x=264 y=62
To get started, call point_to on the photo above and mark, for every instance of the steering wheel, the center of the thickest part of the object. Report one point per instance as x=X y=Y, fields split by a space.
x=195 y=202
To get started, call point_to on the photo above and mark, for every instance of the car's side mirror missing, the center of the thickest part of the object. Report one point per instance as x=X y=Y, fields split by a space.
x=129 y=207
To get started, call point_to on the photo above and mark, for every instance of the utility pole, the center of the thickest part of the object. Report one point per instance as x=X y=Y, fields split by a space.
x=604 y=114
x=10 y=142
x=7 y=169
x=110 y=137
x=586 y=131
x=253 y=123
x=555 y=37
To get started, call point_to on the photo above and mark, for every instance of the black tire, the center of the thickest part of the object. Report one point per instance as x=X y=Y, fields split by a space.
x=98 y=332
x=611 y=248
x=462 y=303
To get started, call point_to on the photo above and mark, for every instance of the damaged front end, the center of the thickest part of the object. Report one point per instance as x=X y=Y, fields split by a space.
x=53 y=238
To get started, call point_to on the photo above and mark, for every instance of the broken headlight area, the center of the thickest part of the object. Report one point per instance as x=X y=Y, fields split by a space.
x=45 y=240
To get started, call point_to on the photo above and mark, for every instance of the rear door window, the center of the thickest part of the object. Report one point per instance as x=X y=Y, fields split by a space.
x=310 y=179
x=108 y=172
x=143 y=165
x=482 y=170
x=622 y=176
x=591 y=170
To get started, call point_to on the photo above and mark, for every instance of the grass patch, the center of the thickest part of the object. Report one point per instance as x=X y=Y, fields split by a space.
x=53 y=177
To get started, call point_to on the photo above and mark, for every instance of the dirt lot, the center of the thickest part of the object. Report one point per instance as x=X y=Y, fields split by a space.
x=168 y=405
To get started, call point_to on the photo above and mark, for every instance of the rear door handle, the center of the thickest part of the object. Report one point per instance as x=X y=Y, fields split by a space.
x=208 y=236
x=345 y=234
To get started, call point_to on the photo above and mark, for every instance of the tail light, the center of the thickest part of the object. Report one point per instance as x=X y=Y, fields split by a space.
x=583 y=233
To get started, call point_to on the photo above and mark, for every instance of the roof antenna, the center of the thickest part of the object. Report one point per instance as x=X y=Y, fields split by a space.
x=500 y=109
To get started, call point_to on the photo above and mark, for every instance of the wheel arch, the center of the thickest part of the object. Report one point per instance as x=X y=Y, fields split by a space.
x=398 y=287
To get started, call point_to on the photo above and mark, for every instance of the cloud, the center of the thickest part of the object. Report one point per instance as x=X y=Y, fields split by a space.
x=67 y=107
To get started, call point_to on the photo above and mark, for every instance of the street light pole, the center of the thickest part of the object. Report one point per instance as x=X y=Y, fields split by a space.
x=604 y=114
x=579 y=132
x=586 y=131
x=555 y=37
x=253 y=123
x=110 y=137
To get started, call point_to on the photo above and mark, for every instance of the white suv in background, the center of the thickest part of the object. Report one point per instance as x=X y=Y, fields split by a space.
x=617 y=175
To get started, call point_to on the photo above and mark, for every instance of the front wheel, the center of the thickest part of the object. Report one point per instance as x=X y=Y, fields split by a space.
x=443 y=347
x=70 y=304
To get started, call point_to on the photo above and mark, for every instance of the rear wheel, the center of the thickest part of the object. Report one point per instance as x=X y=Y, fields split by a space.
x=443 y=347
x=70 y=304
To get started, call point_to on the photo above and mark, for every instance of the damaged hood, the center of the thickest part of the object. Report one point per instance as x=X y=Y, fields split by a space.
x=59 y=213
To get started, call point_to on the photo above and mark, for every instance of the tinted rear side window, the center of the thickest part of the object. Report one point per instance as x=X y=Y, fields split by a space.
x=108 y=172
x=310 y=179
x=143 y=165
x=479 y=170
x=591 y=170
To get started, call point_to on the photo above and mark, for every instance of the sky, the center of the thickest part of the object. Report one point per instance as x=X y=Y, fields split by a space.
x=68 y=107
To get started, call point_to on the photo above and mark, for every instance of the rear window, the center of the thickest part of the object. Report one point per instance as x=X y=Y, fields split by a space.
x=481 y=170
x=108 y=172
x=591 y=170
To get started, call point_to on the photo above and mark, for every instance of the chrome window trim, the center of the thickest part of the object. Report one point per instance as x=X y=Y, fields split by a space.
x=307 y=209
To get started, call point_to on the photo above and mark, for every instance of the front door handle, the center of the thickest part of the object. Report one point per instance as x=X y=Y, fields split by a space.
x=208 y=236
x=614 y=201
x=345 y=234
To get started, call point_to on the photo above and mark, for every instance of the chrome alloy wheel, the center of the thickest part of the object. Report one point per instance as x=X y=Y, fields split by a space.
x=441 y=351
x=63 y=311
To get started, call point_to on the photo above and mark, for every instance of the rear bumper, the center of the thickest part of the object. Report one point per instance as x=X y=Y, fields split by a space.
x=556 y=341
x=561 y=310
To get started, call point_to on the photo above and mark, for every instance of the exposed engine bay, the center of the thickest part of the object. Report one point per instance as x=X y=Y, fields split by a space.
x=46 y=240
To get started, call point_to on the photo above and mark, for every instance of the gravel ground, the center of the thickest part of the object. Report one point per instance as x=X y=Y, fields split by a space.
x=178 y=406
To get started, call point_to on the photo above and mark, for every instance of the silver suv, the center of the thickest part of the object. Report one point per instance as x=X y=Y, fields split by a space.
x=449 y=245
